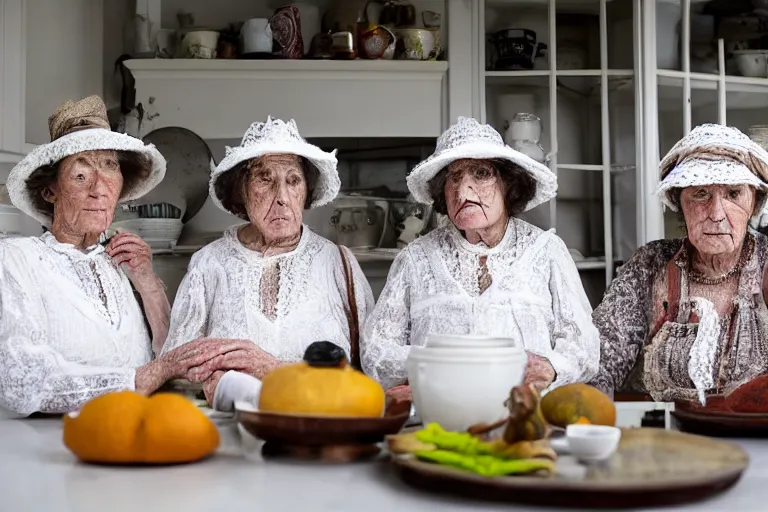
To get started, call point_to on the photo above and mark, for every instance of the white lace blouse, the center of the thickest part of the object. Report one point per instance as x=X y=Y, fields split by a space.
x=70 y=326
x=221 y=296
x=535 y=297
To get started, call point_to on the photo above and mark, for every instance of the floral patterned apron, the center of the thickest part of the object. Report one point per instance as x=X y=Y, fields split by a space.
x=693 y=352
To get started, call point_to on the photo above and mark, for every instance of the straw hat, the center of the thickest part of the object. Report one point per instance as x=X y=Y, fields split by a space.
x=470 y=139
x=76 y=127
x=712 y=154
x=278 y=137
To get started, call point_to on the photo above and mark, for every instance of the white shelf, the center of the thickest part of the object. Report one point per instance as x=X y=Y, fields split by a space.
x=741 y=92
x=574 y=78
x=229 y=67
x=563 y=6
x=218 y=99
x=592 y=264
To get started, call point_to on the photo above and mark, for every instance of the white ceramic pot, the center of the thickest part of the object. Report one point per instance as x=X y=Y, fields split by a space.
x=458 y=388
x=257 y=36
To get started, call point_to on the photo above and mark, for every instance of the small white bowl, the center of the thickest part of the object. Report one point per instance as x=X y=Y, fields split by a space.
x=592 y=442
x=467 y=341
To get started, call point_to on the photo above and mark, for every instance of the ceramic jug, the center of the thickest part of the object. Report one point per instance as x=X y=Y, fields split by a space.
x=256 y=36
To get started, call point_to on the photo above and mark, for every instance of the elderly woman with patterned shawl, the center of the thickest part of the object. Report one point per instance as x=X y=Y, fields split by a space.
x=687 y=318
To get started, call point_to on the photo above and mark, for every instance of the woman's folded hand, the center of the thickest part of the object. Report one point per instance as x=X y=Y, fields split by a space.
x=243 y=356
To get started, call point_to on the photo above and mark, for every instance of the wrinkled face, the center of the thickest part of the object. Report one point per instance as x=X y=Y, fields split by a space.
x=86 y=192
x=716 y=216
x=275 y=195
x=474 y=194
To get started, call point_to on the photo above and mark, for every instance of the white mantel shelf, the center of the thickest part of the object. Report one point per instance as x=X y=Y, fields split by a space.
x=218 y=99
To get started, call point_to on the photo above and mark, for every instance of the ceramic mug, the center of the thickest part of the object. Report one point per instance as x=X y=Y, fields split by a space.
x=417 y=43
x=256 y=36
x=200 y=44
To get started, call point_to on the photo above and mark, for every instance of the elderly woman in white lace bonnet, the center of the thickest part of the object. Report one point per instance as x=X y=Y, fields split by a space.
x=486 y=272
x=271 y=286
x=687 y=317
x=77 y=315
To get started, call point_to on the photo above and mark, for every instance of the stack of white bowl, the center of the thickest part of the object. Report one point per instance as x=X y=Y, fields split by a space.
x=459 y=381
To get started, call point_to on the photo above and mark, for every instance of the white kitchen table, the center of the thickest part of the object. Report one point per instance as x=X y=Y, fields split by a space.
x=37 y=473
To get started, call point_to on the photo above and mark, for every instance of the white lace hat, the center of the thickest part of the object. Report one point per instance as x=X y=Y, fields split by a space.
x=278 y=137
x=470 y=139
x=712 y=154
x=76 y=127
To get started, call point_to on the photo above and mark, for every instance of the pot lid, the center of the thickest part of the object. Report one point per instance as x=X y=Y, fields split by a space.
x=189 y=165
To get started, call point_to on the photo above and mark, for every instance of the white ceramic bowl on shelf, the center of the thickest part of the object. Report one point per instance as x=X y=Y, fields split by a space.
x=158 y=233
x=460 y=387
x=752 y=63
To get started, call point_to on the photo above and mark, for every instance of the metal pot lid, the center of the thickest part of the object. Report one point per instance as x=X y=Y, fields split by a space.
x=189 y=165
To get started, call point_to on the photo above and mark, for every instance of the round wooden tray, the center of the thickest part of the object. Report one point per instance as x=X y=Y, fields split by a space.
x=652 y=467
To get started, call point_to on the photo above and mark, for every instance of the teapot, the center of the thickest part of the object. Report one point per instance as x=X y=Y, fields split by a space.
x=360 y=224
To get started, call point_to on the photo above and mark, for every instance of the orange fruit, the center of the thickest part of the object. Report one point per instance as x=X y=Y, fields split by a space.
x=125 y=427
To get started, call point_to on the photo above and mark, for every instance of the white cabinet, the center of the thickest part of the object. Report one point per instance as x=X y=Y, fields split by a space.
x=63 y=58
x=49 y=52
x=587 y=107
x=218 y=99
x=12 y=82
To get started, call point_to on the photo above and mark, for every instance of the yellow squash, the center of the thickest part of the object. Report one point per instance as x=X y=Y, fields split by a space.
x=323 y=384
x=578 y=403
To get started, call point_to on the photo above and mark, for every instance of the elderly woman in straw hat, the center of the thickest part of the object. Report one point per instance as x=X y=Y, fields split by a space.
x=485 y=272
x=77 y=314
x=687 y=317
x=272 y=285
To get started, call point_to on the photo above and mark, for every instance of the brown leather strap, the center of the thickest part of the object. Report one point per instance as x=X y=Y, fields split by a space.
x=351 y=312
x=674 y=281
x=672 y=304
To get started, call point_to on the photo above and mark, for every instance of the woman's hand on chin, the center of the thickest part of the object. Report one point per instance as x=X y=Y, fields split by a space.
x=245 y=357
x=539 y=372
x=134 y=256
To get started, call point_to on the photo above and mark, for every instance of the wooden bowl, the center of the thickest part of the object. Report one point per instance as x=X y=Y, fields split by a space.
x=315 y=431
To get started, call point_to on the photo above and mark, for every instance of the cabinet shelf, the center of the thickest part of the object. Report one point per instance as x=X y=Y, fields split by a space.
x=218 y=99
x=742 y=92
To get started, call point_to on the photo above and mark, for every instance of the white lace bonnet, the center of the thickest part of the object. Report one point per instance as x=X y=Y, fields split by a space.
x=76 y=127
x=470 y=139
x=712 y=154
x=275 y=136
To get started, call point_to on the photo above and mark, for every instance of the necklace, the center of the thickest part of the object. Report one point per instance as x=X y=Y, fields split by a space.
x=700 y=278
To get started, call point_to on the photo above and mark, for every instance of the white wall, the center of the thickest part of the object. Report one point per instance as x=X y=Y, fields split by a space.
x=64 y=56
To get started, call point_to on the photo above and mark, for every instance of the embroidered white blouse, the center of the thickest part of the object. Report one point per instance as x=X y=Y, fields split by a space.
x=535 y=297
x=221 y=297
x=70 y=326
